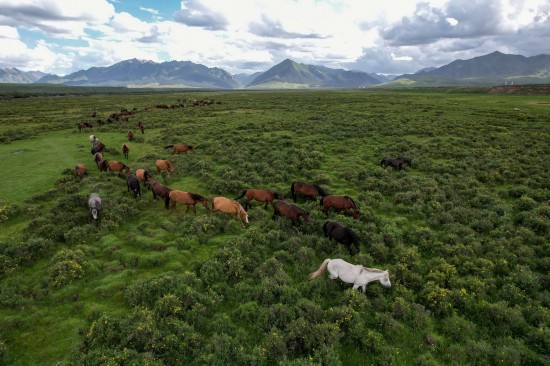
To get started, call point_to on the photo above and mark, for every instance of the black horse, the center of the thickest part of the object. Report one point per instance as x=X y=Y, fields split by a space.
x=343 y=235
x=133 y=184
x=396 y=163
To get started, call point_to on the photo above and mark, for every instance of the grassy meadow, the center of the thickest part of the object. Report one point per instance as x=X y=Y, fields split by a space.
x=464 y=232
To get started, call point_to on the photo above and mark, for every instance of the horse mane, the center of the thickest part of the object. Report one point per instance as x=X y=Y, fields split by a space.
x=352 y=201
x=195 y=197
x=374 y=270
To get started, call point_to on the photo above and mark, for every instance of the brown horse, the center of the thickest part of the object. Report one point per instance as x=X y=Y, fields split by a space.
x=286 y=209
x=80 y=126
x=307 y=190
x=101 y=164
x=164 y=165
x=80 y=171
x=230 y=207
x=260 y=195
x=125 y=150
x=180 y=148
x=338 y=203
x=116 y=166
x=130 y=135
x=99 y=147
x=160 y=190
x=143 y=176
x=185 y=198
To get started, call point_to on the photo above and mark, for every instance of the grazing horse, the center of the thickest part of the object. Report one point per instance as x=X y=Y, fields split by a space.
x=260 y=195
x=80 y=171
x=101 y=164
x=306 y=189
x=116 y=166
x=164 y=165
x=351 y=273
x=160 y=190
x=125 y=150
x=130 y=135
x=80 y=126
x=343 y=203
x=343 y=235
x=94 y=203
x=133 y=184
x=143 y=176
x=141 y=128
x=89 y=125
x=283 y=208
x=230 y=207
x=99 y=147
x=93 y=140
x=185 y=198
x=396 y=163
x=179 y=148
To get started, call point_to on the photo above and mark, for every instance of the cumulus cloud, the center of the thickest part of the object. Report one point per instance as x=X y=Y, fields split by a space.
x=274 y=29
x=195 y=14
x=57 y=18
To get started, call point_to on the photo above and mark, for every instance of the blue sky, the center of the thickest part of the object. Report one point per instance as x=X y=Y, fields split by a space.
x=246 y=36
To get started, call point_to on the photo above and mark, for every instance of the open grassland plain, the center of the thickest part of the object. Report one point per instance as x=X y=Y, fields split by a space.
x=464 y=231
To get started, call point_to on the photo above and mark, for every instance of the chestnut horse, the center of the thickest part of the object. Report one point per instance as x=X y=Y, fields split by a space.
x=143 y=176
x=179 y=148
x=307 y=190
x=185 y=198
x=230 y=207
x=260 y=195
x=286 y=209
x=116 y=166
x=80 y=126
x=125 y=150
x=164 y=165
x=160 y=190
x=80 y=171
x=338 y=203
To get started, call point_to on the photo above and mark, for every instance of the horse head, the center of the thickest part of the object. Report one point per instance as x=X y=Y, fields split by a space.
x=385 y=279
x=243 y=215
x=95 y=213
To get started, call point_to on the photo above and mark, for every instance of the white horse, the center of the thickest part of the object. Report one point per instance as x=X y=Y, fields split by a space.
x=93 y=140
x=94 y=202
x=351 y=273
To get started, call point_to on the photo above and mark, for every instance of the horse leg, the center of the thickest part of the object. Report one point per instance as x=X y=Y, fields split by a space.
x=355 y=286
x=364 y=287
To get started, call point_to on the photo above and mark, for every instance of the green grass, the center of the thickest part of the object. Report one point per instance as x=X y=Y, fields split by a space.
x=463 y=231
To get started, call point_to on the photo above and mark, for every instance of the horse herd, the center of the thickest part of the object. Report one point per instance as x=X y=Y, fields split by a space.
x=337 y=268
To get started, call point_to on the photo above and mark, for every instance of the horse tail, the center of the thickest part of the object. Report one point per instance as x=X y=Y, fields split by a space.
x=320 y=271
x=168 y=147
x=321 y=201
x=242 y=195
x=292 y=190
x=382 y=162
x=167 y=201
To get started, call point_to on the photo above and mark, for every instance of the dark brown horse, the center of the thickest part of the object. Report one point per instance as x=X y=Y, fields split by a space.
x=160 y=190
x=180 y=148
x=116 y=166
x=89 y=125
x=80 y=126
x=125 y=150
x=396 y=163
x=99 y=147
x=339 y=203
x=343 y=235
x=306 y=190
x=130 y=135
x=101 y=164
x=185 y=198
x=286 y=209
x=260 y=195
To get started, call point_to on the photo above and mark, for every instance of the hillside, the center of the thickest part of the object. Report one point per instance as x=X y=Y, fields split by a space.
x=464 y=231
x=15 y=76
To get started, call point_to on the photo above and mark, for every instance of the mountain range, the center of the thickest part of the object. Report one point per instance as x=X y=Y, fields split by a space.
x=492 y=69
